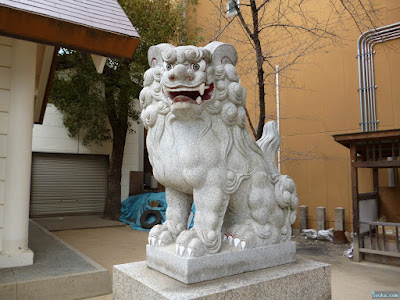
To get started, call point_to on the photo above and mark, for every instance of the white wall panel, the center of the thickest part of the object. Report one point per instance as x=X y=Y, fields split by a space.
x=4 y=100
x=5 y=78
x=2 y=191
x=6 y=41
x=5 y=56
x=2 y=168
x=1 y=215
x=3 y=123
x=3 y=145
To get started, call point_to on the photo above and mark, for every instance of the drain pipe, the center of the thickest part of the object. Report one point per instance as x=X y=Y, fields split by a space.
x=366 y=77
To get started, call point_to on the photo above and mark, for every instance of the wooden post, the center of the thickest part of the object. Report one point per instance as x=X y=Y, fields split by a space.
x=376 y=188
x=354 y=192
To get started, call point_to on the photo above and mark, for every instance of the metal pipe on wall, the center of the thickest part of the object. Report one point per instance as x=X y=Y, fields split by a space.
x=277 y=112
x=366 y=75
x=385 y=35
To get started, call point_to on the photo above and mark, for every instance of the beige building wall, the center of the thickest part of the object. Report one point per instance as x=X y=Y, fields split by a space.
x=325 y=102
x=328 y=104
x=5 y=85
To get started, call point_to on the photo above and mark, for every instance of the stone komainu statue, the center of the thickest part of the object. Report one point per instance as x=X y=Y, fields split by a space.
x=200 y=150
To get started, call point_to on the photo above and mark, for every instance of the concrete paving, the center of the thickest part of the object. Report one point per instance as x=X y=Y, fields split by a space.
x=118 y=245
x=58 y=272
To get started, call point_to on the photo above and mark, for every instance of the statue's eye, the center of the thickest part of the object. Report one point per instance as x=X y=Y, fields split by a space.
x=200 y=66
x=167 y=66
x=196 y=67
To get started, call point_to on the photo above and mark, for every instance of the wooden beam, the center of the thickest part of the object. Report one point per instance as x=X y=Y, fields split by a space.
x=379 y=252
x=381 y=223
x=370 y=136
x=367 y=196
x=45 y=69
x=99 y=62
x=377 y=164
x=48 y=86
x=60 y=33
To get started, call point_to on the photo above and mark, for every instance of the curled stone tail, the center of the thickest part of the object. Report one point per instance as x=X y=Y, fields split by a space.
x=269 y=144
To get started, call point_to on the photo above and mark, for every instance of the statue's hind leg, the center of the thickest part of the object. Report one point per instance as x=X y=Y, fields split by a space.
x=177 y=214
x=260 y=228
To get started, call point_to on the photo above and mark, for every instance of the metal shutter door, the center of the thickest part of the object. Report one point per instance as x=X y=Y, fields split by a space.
x=68 y=184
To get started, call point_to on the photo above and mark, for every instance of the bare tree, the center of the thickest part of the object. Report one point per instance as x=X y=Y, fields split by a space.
x=282 y=32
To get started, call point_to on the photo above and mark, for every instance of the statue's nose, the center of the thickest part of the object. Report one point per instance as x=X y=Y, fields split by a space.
x=181 y=73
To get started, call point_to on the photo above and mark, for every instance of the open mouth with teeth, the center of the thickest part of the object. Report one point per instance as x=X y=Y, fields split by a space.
x=196 y=95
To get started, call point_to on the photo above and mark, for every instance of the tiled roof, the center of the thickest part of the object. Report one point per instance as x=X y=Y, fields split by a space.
x=100 y=14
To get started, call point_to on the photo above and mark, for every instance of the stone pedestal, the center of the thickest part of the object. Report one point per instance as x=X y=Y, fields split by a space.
x=229 y=261
x=302 y=279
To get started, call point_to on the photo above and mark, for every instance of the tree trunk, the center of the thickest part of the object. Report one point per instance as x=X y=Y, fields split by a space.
x=260 y=69
x=112 y=208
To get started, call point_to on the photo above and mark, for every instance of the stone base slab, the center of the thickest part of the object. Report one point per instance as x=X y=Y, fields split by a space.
x=303 y=279
x=229 y=261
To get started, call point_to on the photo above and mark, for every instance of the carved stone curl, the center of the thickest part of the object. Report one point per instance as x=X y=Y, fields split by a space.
x=193 y=108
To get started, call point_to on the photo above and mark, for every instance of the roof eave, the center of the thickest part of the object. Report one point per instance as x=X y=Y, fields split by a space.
x=60 y=33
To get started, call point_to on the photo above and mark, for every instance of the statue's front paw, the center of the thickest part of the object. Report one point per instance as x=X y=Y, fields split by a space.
x=162 y=235
x=189 y=244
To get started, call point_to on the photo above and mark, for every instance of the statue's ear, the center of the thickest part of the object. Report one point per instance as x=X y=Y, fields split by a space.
x=154 y=54
x=222 y=53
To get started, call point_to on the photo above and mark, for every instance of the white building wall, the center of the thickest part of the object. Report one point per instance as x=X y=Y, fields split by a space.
x=52 y=137
x=5 y=85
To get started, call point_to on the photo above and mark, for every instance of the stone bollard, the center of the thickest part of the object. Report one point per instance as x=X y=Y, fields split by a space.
x=303 y=217
x=321 y=218
x=338 y=234
x=339 y=218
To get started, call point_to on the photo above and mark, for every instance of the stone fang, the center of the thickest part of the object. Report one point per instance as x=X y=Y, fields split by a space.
x=198 y=100
x=201 y=89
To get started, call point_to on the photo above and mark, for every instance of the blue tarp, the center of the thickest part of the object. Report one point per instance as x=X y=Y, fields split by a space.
x=133 y=207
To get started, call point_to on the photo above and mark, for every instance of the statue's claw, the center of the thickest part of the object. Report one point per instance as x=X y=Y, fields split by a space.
x=234 y=241
x=242 y=244
x=180 y=250
x=152 y=241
